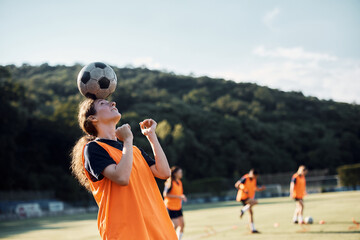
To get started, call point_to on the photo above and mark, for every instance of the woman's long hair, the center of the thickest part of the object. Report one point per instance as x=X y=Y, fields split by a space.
x=174 y=170
x=86 y=109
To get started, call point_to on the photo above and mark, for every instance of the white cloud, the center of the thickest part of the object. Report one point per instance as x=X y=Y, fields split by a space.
x=316 y=74
x=146 y=61
x=270 y=16
x=296 y=53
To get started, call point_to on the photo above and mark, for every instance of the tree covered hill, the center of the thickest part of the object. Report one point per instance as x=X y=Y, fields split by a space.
x=213 y=128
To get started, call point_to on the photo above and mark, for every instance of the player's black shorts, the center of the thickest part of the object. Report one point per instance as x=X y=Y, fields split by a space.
x=175 y=214
x=244 y=201
x=298 y=199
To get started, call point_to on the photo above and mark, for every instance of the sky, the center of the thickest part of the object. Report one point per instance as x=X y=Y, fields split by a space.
x=309 y=46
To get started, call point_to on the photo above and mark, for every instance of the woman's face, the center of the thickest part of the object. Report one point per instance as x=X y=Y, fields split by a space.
x=179 y=174
x=106 y=112
x=302 y=171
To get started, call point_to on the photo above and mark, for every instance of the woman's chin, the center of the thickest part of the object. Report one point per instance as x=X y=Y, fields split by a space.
x=118 y=117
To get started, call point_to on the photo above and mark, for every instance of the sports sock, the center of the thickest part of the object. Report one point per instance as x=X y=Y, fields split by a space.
x=252 y=227
x=180 y=236
x=300 y=219
x=245 y=208
x=295 y=218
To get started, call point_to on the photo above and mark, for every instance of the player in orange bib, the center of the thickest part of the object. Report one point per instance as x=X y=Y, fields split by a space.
x=173 y=197
x=120 y=175
x=297 y=192
x=246 y=194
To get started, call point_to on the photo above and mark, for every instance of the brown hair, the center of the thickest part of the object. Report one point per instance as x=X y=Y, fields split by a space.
x=86 y=109
x=174 y=170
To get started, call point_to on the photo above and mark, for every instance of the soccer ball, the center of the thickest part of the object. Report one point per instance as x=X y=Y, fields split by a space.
x=96 y=80
x=309 y=220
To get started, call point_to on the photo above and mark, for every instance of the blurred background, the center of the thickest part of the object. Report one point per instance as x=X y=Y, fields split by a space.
x=233 y=85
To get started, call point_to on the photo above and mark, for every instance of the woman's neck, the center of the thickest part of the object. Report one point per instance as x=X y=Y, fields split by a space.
x=106 y=132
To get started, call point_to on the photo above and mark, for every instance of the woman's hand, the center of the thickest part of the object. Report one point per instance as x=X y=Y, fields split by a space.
x=161 y=167
x=123 y=133
x=183 y=197
x=148 y=127
x=120 y=173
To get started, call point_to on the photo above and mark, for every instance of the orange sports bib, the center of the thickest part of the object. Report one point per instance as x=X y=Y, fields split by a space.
x=174 y=203
x=247 y=190
x=299 y=187
x=135 y=211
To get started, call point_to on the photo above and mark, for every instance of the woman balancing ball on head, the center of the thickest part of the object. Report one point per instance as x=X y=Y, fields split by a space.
x=120 y=175
x=173 y=195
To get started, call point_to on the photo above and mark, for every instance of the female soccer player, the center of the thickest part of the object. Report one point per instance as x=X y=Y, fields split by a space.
x=120 y=175
x=297 y=192
x=246 y=194
x=173 y=194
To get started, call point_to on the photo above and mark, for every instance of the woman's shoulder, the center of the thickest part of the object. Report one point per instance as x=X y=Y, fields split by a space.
x=178 y=182
x=93 y=146
x=101 y=143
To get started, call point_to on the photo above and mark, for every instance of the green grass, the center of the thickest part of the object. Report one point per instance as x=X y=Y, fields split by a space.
x=219 y=221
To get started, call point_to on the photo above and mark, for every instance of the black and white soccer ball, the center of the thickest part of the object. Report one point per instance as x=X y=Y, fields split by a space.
x=96 y=80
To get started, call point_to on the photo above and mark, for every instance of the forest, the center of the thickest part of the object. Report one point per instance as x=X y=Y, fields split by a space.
x=213 y=128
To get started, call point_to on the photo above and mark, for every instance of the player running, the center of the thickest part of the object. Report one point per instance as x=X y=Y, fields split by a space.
x=173 y=197
x=246 y=194
x=297 y=192
x=120 y=175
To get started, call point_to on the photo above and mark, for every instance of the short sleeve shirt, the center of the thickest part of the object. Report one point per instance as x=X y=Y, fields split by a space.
x=97 y=158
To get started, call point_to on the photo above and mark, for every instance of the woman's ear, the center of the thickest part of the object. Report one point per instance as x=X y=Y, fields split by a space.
x=93 y=119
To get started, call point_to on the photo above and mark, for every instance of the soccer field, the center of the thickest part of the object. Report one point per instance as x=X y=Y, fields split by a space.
x=220 y=221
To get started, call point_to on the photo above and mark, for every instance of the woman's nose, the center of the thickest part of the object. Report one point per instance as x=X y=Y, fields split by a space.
x=113 y=104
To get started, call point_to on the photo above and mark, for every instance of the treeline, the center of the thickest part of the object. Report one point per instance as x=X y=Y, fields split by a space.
x=213 y=128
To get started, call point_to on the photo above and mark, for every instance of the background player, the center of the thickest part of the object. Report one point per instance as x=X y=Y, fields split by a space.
x=246 y=194
x=120 y=175
x=173 y=197
x=297 y=192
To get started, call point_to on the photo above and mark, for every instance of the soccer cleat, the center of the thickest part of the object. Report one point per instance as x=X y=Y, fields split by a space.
x=255 y=231
x=241 y=213
x=295 y=222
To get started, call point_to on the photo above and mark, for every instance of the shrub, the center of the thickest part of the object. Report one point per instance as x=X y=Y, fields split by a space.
x=349 y=175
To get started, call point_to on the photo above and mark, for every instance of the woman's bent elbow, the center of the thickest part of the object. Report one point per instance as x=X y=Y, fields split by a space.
x=123 y=182
x=167 y=174
x=163 y=176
